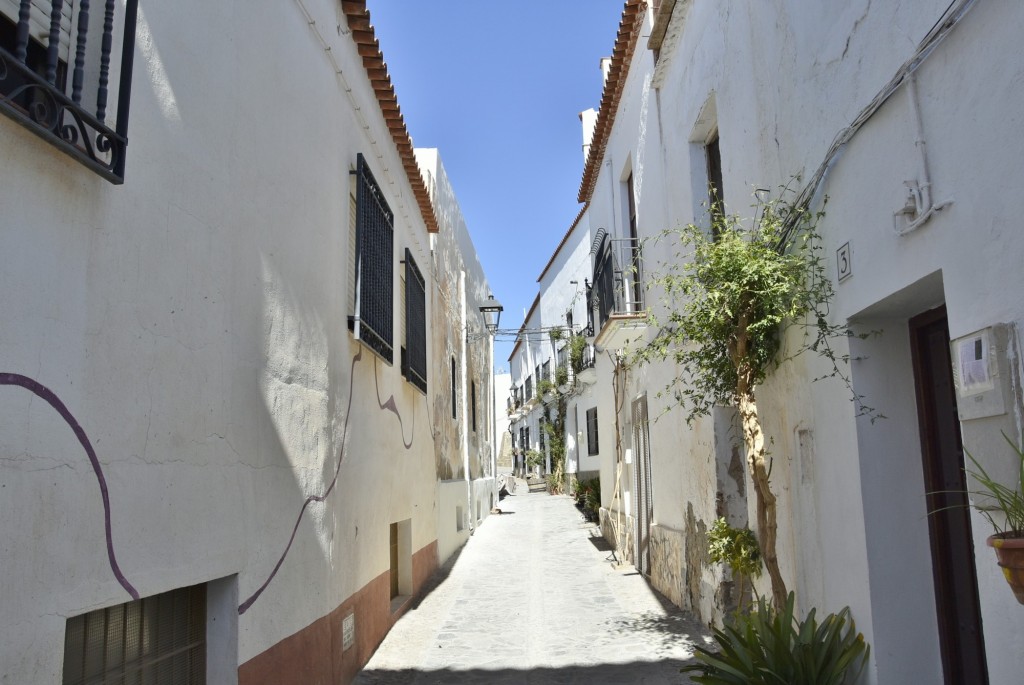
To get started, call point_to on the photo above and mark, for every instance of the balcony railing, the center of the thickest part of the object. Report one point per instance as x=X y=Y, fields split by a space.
x=618 y=280
x=55 y=64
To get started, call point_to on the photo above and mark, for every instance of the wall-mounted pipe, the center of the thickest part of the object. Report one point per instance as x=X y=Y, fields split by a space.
x=920 y=207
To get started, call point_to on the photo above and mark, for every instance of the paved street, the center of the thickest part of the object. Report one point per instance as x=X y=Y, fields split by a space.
x=534 y=598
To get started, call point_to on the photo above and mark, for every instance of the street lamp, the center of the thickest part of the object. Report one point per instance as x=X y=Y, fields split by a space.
x=492 y=306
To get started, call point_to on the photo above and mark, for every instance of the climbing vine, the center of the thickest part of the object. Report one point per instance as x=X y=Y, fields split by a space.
x=731 y=296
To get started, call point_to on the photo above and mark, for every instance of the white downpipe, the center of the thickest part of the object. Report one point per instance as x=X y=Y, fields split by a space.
x=919 y=201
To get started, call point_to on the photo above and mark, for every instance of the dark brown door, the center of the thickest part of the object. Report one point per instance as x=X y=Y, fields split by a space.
x=956 y=587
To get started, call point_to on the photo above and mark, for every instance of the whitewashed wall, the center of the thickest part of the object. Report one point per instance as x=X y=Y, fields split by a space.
x=193 y=324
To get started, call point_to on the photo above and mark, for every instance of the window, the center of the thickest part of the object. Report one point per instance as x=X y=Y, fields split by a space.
x=414 y=353
x=472 y=404
x=44 y=59
x=155 y=639
x=528 y=389
x=455 y=396
x=372 y=321
x=592 y=446
x=716 y=197
x=545 y=370
x=568 y=320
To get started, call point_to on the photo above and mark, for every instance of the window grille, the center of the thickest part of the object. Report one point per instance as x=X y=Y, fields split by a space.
x=545 y=371
x=414 y=358
x=374 y=267
x=158 y=639
x=528 y=388
x=592 y=445
x=46 y=49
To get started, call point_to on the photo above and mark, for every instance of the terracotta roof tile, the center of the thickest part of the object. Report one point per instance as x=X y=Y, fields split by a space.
x=625 y=44
x=368 y=46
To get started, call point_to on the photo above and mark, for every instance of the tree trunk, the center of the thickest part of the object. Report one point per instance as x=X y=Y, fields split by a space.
x=753 y=439
x=767 y=520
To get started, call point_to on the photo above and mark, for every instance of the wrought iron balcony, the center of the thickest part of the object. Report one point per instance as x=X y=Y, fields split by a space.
x=55 y=63
x=617 y=296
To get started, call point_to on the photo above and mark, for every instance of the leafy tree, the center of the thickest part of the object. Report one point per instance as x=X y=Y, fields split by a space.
x=731 y=296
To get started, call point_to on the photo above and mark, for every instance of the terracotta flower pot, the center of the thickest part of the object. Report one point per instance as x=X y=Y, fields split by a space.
x=1010 y=554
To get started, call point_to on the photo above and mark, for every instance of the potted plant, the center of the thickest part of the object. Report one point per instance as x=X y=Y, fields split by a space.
x=1003 y=507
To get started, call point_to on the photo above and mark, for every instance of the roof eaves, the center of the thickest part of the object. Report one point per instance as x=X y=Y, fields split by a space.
x=368 y=47
x=565 y=239
x=625 y=45
x=522 y=329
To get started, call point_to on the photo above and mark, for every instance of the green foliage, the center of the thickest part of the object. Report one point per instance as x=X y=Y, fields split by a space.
x=534 y=459
x=994 y=497
x=588 y=498
x=556 y=334
x=736 y=547
x=730 y=299
x=544 y=386
x=577 y=345
x=556 y=479
x=774 y=647
x=561 y=376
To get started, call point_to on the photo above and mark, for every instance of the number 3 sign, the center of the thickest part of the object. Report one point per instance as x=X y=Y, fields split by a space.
x=843 y=263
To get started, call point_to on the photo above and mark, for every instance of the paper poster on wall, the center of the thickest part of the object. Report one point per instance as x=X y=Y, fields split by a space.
x=973 y=368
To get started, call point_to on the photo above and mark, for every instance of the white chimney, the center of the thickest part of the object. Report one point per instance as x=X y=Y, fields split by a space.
x=588 y=118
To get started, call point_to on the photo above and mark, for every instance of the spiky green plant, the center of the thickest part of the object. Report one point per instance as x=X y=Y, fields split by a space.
x=774 y=647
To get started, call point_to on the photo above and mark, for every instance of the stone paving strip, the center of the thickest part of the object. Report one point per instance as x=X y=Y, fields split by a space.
x=534 y=597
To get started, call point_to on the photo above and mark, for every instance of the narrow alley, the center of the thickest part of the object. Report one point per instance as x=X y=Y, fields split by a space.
x=534 y=597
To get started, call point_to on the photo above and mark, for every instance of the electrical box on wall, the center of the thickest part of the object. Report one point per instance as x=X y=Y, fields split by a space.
x=982 y=372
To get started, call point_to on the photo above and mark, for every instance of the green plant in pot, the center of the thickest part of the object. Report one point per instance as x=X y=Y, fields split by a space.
x=1003 y=507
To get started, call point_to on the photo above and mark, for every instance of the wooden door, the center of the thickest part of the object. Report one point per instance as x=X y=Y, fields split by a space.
x=952 y=546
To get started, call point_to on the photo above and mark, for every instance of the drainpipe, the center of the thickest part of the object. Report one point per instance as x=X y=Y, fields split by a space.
x=918 y=208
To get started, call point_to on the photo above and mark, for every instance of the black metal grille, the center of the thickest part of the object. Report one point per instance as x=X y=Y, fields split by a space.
x=35 y=89
x=618 y=278
x=414 y=361
x=374 y=320
x=158 y=639
x=528 y=388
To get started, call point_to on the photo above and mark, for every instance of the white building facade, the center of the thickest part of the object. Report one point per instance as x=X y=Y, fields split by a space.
x=217 y=373
x=903 y=117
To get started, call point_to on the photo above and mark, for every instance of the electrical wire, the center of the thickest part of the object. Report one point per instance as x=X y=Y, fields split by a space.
x=954 y=13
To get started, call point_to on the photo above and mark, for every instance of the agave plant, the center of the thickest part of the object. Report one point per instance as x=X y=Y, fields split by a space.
x=774 y=647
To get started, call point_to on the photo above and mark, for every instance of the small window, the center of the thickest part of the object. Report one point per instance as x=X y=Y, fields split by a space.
x=373 y=269
x=155 y=639
x=592 y=445
x=472 y=404
x=414 y=353
x=716 y=196
x=455 y=396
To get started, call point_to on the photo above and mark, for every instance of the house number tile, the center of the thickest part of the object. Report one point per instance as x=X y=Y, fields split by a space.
x=844 y=264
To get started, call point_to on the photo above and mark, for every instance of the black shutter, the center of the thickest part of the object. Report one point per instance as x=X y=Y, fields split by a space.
x=374 y=319
x=414 y=365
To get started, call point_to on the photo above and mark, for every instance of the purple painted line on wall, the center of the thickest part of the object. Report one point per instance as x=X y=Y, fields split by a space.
x=48 y=396
x=244 y=606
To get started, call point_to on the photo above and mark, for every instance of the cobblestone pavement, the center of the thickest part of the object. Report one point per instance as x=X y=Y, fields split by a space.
x=534 y=598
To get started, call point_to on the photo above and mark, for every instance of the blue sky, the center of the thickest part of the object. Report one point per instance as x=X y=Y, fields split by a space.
x=497 y=87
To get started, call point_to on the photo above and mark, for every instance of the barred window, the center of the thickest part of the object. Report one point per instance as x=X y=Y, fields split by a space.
x=592 y=446
x=158 y=639
x=372 y=320
x=56 y=80
x=414 y=353
x=472 y=404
